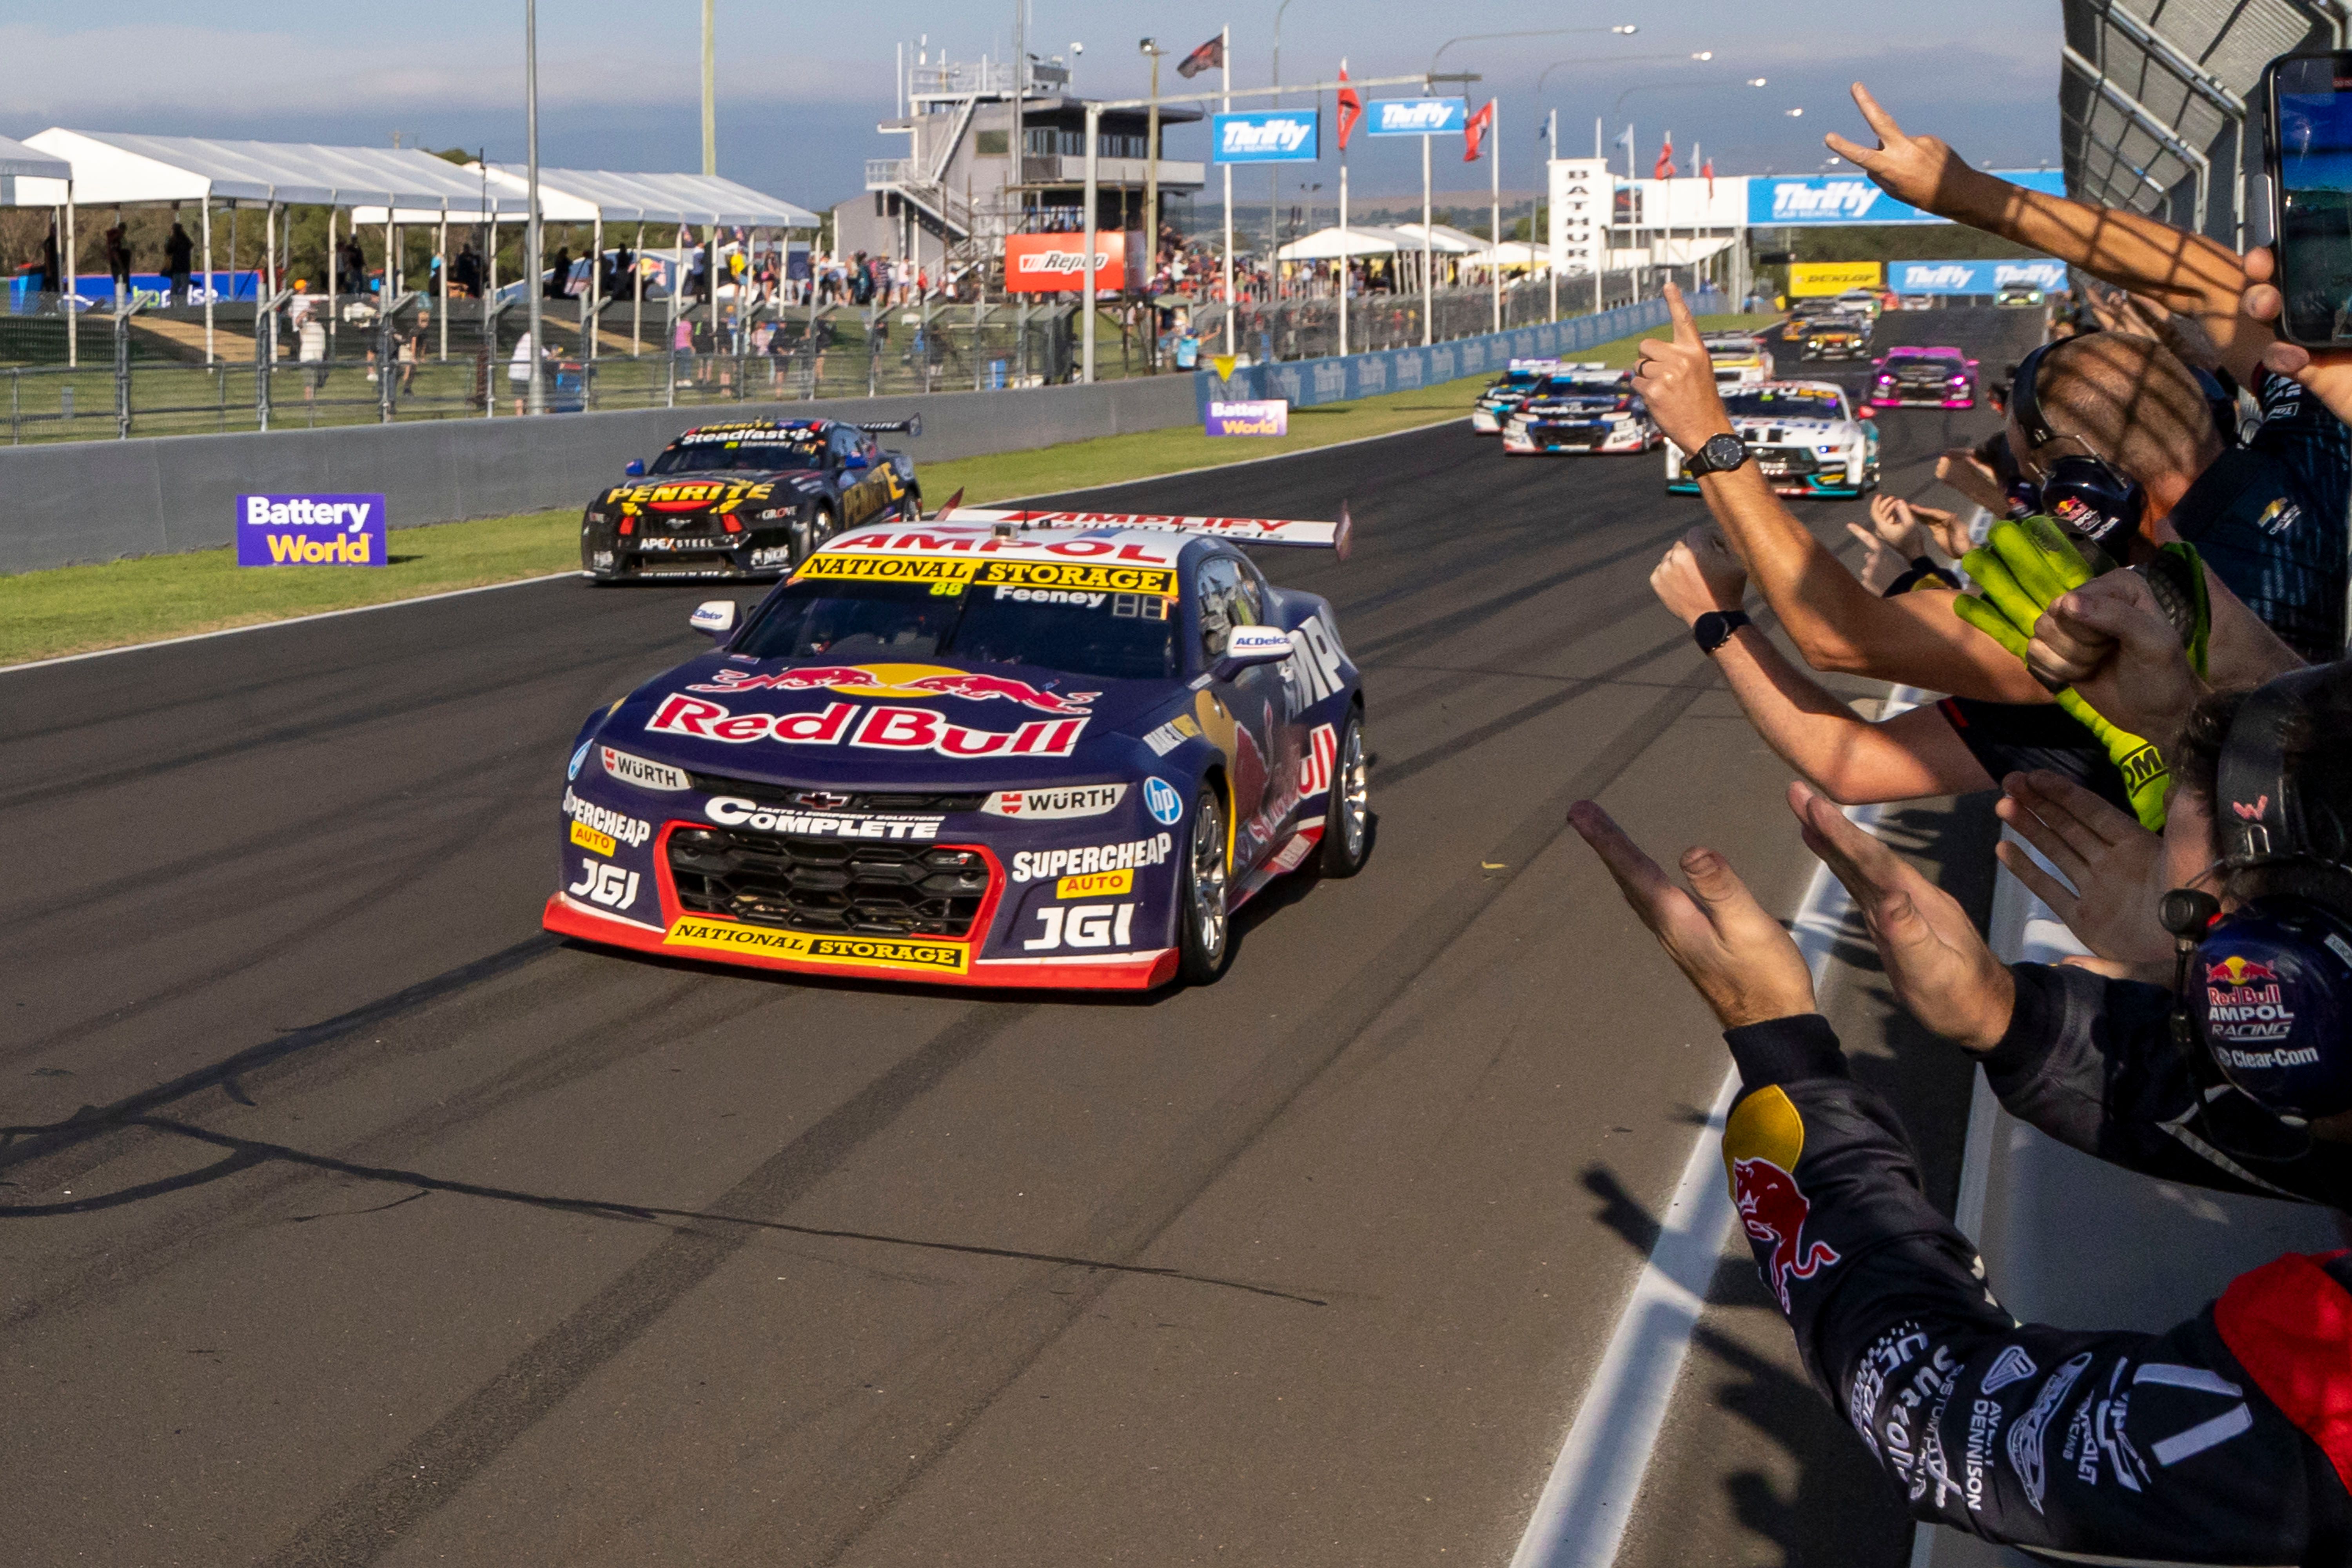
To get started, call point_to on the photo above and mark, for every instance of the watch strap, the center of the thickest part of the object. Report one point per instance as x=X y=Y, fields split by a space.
x=1700 y=463
x=1713 y=629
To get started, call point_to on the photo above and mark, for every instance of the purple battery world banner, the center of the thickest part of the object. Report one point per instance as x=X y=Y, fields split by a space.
x=1270 y=418
x=311 y=531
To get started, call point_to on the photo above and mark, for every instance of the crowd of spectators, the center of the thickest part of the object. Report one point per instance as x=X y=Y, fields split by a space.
x=2138 y=634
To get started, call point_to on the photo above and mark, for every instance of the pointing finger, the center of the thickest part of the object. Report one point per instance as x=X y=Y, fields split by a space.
x=1686 y=329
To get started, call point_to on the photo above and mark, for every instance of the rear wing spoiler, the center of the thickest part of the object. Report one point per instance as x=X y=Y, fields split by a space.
x=912 y=425
x=1335 y=537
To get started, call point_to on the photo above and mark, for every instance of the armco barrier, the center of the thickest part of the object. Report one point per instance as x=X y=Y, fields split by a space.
x=1306 y=382
x=100 y=500
x=2071 y=1240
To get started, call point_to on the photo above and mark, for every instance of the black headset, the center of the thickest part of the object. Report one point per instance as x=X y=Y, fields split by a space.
x=2084 y=493
x=2269 y=1014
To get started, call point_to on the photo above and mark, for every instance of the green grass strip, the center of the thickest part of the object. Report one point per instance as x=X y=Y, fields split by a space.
x=80 y=609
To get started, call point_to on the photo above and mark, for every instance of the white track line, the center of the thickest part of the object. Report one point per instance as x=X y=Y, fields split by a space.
x=1588 y=1501
x=289 y=621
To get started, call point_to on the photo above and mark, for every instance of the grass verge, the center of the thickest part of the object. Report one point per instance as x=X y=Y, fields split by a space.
x=80 y=609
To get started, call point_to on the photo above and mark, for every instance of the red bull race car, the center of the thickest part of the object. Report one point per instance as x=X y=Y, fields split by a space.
x=1018 y=749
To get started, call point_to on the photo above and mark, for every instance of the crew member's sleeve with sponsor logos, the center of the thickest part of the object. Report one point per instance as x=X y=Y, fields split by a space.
x=2106 y=1447
x=2092 y=1063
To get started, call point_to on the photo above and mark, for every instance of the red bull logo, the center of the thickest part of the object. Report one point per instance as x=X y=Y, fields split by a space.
x=2236 y=970
x=1774 y=1210
x=903 y=680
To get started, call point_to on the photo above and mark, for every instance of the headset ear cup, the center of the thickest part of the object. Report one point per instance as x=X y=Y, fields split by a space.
x=2090 y=497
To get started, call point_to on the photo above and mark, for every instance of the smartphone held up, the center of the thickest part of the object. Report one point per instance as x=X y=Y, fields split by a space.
x=2309 y=152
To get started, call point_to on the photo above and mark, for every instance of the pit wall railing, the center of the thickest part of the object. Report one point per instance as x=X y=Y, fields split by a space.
x=1306 y=383
x=2074 y=1241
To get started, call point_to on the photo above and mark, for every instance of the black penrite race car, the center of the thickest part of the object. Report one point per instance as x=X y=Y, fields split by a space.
x=752 y=499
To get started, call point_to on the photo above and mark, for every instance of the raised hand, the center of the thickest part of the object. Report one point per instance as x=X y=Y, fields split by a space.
x=1912 y=169
x=1942 y=972
x=2115 y=866
x=2326 y=373
x=1699 y=573
x=2108 y=639
x=1736 y=956
x=1677 y=382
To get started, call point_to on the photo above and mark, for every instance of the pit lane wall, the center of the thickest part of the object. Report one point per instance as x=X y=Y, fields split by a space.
x=2071 y=1240
x=1305 y=383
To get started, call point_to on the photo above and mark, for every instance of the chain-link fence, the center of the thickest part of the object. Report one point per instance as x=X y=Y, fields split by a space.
x=1309 y=328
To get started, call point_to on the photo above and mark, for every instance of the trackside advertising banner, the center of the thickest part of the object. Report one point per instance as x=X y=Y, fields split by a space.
x=1266 y=136
x=1817 y=200
x=1418 y=116
x=311 y=531
x=1270 y=416
x=1813 y=279
x=1056 y=263
x=1303 y=383
x=1973 y=276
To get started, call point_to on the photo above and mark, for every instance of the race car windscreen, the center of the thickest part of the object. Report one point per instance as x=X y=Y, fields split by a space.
x=782 y=450
x=1115 y=636
x=1780 y=403
x=1516 y=380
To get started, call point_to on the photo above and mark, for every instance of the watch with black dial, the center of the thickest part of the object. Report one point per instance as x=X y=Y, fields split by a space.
x=1721 y=454
x=1713 y=629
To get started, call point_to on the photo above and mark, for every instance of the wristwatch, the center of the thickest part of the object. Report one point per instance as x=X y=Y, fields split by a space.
x=1713 y=629
x=1721 y=454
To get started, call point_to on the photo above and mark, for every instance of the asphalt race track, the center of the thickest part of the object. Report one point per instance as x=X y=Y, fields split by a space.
x=349 y=1219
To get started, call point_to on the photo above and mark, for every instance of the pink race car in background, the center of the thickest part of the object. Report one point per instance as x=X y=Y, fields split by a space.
x=1923 y=377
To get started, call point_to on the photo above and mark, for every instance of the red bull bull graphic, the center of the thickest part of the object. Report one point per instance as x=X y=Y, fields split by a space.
x=1774 y=1210
x=914 y=680
x=886 y=728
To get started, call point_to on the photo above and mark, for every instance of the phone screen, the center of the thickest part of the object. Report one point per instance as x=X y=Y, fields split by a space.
x=2312 y=120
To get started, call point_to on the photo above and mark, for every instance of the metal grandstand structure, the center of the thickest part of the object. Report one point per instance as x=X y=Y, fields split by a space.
x=2161 y=106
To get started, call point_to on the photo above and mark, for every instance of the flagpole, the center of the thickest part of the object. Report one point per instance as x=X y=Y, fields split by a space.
x=1608 y=217
x=1226 y=48
x=1428 y=291
x=1552 y=147
x=1495 y=196
x=1340 y=110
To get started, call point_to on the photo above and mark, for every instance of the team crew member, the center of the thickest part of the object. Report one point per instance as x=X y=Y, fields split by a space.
x=2218 y=1441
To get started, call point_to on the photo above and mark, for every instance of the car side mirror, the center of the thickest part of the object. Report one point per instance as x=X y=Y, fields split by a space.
x=1249 y=646
x=636 y=469
x=715 y=618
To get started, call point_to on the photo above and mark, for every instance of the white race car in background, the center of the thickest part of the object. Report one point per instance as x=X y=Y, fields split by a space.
x=1502 y=398
x=1804 y=437
x=1740 y=358
x=1582 y=408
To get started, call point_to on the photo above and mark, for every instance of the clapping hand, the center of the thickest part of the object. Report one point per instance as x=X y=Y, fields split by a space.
x=2115 y=866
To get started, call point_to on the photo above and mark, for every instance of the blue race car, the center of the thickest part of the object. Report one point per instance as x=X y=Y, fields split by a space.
x=1034 y=748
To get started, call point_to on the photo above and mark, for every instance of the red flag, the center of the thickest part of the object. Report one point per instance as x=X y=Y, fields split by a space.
x=1208 y=56
x=1351 y=107
x=1666 y=169
x=1474 y=131
x=1706 y=172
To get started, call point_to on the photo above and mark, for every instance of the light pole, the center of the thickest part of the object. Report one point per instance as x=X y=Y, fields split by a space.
x=536 y=397
x=1274 y=176
x=1151 y=201
x=709 y=88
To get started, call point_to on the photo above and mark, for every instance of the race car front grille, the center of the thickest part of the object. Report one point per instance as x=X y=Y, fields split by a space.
x=1782 y=462
x=799 y=796
x=825 y=885
x=679 y=563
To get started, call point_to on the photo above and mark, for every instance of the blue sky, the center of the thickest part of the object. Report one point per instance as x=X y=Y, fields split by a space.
x=800 y=87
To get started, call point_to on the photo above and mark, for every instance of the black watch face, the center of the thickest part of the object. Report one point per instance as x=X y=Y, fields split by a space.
x=1722 y=452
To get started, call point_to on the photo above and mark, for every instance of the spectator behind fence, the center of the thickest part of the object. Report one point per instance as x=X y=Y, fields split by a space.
x=521 y=369
x=310 y=347
x=179 y=252
x=2214 y=1442
x=465 y=271
x=51 y=278
x=558 y=283
x=2270 y=517
x=117 y=242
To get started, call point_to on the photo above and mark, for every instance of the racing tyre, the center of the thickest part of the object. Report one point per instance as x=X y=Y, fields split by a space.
x=1348 y=820
x=1204 y=929
x=808 y=536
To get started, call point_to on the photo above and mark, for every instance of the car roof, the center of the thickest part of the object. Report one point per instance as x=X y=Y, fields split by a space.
x=1829 y=386
x=1915 y=349
x=745 y=429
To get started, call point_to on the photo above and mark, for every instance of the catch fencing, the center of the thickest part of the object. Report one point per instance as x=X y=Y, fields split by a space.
x=1338 y=380
x=1308 y=328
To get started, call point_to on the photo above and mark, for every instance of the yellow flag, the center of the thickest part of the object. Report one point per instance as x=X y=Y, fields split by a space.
x=1224 y=363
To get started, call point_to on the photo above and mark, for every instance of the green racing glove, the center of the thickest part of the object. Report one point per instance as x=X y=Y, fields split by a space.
x=2022 y=566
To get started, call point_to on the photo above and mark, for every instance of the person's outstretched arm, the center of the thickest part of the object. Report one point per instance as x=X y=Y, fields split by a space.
x=1848 y=758
x=2107 y=1446
x=1837 y=624
x=2183 y=271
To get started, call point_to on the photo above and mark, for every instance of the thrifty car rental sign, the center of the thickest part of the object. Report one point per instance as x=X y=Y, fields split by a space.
x=311 y=531
x=1266 y=136
x=1418 y=116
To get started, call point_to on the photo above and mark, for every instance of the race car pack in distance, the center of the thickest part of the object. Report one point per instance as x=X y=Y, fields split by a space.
x=1835 y=337
x=1740 y=359
x=1040 y=749
x=746 y=499
x=1804 y=437
x=1581 y=408
x=1913 y=377
x=1503 y=395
